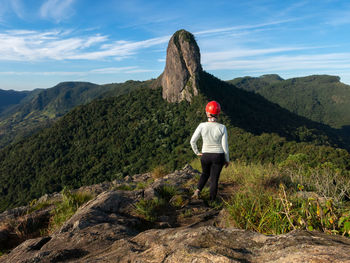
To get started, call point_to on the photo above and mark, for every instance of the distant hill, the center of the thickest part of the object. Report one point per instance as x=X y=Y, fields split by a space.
x=133 y=133
x=321 y=98
x=9 y=98
x=39 y=108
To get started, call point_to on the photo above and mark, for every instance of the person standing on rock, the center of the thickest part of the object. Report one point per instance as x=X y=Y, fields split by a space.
x=215 y=153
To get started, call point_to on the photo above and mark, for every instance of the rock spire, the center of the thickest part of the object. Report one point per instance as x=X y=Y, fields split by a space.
x=181 y=74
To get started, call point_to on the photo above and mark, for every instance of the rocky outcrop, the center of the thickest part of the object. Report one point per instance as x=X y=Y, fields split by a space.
x=109 y=229
x=182 y=70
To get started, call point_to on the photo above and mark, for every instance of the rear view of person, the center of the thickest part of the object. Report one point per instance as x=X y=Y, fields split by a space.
x=215 y=153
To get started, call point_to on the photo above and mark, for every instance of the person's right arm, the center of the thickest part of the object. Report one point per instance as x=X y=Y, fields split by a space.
x=194 y=139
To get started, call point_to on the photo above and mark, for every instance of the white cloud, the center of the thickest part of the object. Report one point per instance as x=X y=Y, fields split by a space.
x=315 y=62
x=209 y=57
x=112 y=70
x=121 y=49
x=57 y=10
x=99 y=71
x=17 y=8
x=242 y=27
x=25 y=45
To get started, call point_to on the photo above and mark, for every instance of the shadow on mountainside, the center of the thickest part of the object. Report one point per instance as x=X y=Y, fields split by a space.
x=257 y=115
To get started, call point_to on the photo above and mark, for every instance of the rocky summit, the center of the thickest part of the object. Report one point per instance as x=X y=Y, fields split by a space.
x=181 y=74
x=110 y=228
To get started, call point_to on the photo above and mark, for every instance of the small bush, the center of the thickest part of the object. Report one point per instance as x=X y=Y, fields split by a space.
x=312 y=214
x=326 y=179
x=257 y=210
x=150 y=209
x=159 y=171
x=177 y=201
x=187 y=213
x=167 y=192
x=34 y=205
x=67 y=207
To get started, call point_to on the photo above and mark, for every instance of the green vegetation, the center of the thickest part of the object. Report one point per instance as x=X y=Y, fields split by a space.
x=320 y=98
x=272 y=199
x=8 y=98
x=34 y=205
x=139 y=131
x=66 y=208
x=166 y=192
x=151 y=209
x=39 y=108
x=159 y=171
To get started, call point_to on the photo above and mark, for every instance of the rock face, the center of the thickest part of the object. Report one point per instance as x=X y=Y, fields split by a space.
x=107 y=229
x=180 y=77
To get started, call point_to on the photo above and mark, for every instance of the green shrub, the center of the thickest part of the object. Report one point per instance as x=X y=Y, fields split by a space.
x=166 y=192
x=326 y=179
x=150 y=209
x=314 y=214
x=67 y=207
x=34 y=205
x=257 y=210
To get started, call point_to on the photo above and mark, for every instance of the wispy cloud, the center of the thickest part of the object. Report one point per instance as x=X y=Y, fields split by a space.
x=18 y=8
x=283 y=63
x=57 y=10
x=243 y=27
x=339 y=19
x=25 y=45
x=210 y=57
x=121 y=49
x=99 y=71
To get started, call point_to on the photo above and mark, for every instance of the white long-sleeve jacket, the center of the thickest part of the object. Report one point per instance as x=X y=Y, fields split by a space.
x=214 y=137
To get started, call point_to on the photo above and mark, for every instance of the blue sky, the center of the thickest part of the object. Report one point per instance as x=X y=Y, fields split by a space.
x=44 y=42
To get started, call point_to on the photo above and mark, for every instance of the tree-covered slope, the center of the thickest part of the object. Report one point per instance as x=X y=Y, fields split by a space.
x=321 y=98
x=9 y=98
x=133 y=133
x=41 y=107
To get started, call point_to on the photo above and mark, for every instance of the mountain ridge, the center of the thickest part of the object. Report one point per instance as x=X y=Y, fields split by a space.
x=41 y=108
x=321 y=98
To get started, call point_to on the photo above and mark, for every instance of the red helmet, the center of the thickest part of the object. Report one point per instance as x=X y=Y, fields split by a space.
x=213 y=108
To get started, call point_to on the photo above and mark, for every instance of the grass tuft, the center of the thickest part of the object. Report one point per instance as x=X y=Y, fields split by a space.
x=67 y=207
x=159 y=172
x=150 y=209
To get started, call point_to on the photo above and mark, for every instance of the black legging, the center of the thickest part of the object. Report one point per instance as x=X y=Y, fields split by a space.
x=212 y=164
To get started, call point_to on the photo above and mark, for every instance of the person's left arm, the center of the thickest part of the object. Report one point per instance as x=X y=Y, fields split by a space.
x=224 y=143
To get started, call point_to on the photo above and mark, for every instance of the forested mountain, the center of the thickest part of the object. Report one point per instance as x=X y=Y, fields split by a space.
x=135 y=132
x=321 y=98
x=9 y=98
x=41 y=107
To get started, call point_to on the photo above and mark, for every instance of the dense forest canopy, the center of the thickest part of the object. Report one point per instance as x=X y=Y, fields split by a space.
x=135 y=132
x=321 y=98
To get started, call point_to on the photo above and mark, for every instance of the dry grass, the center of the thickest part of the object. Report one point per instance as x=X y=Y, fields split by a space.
x=159 y=172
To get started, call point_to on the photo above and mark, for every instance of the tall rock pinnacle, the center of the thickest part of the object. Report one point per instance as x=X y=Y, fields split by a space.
x=180 y=77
